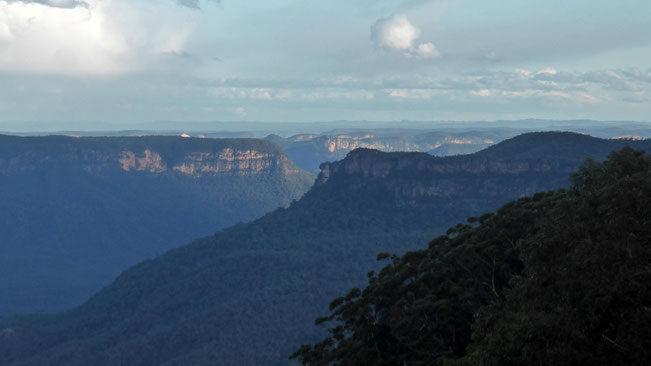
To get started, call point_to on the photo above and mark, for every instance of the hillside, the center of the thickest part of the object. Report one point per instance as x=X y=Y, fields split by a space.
x=310 y=150
x=249 y=294
x=560 y=278
x=78 y=211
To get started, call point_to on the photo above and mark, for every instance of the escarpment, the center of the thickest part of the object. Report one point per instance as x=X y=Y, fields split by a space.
x=531 y=162
x=346 y=143
x=442 y=180
x=151 y=162
x=228 y=160
x=81 y=210
x=375 y=164
x=285 y=267
x=154 y=155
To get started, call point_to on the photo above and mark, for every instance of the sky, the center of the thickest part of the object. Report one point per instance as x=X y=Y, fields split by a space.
x=128 y=61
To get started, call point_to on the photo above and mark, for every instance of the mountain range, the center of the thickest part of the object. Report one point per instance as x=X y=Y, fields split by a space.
x=249 y=293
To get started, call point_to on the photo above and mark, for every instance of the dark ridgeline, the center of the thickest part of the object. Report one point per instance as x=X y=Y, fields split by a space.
x=560 y=278
x=308 y=151
x=249 y=294
x=78 y=211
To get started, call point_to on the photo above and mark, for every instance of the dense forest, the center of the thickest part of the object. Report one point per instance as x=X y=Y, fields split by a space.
x=560 y=278
x=250 y=293
x=72 y=217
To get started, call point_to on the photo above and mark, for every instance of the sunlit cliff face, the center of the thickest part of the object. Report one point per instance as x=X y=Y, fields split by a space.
x=158 y=156
x=345 y=143
x=148 y=161
x=227 y=160
x=240 y=162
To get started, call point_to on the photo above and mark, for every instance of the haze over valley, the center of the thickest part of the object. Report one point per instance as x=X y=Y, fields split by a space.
x=398 y=182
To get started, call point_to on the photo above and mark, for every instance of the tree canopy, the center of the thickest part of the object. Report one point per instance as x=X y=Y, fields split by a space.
x=560 y=278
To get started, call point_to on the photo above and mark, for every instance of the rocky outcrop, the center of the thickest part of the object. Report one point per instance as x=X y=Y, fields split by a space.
x=152 y=155
x=375 y=164
x=346 y=143
x=148 y=161
x=520 y=166
x=241 y=162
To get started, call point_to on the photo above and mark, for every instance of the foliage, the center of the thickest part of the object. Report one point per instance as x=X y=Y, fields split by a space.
x=561 y=278
x=248 y=295
x=70 y=221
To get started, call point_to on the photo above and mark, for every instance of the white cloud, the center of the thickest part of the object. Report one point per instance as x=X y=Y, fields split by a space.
x=521 y=73
x=323 y=94
x=5 y=33
x=547 y=71
x=415 y=94
x=53 y=3
x=396 y=33
x=427 y=50
x=193 y=4
x=482 y=93
x=292 y=94
x=588 y=98
x=551 y=85
x=241 y=93
x=98 y=37
x=240 y=111
x=529 y=93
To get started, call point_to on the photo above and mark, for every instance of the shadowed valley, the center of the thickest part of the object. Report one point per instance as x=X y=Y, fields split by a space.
x=78 y=211
x=249 y=294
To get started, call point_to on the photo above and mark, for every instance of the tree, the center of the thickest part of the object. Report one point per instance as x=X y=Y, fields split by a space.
x=559 y=278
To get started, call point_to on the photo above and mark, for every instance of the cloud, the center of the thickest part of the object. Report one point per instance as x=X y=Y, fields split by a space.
x=415 y=94
x=591 y=87
x=623 y=80
x=324 y=94
x=546 y=84
x=241 y=93
x=66 y=4
x=396 y=33
x=482 y=93
x=5 y=33
x=288 y=94
x=193 y=4
x=547 y=71
x=426 y=50
x=491 y=56
x=69 y=4
x=240 y=111
x=90 y=37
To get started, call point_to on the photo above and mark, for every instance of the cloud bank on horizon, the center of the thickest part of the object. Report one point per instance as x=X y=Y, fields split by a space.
x=305 y=60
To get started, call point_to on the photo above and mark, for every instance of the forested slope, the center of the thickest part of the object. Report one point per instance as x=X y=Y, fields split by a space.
x=249 y=294
x=75 y=212
x=560 y=278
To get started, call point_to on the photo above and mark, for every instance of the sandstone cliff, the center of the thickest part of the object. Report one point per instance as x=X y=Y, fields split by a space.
x=531 y=162
x=75 y=212
x=154 y=155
